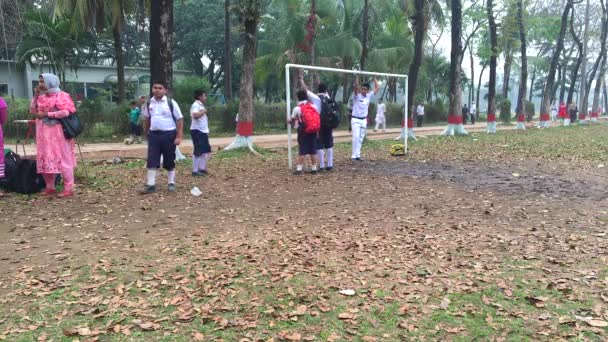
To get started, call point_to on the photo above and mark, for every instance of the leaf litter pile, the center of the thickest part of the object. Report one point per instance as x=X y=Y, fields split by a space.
x=478 y=237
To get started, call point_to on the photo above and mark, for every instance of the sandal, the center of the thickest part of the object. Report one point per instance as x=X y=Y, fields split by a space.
x=48 y=192
x=65 y=194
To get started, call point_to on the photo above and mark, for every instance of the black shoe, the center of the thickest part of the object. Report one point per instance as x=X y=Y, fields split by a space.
x=298 y=172
x=329 y=169
x=198 y=174
x=204 y=172
x=314 y=172
x=148 y=189
x=171 y=187
x=358 y=159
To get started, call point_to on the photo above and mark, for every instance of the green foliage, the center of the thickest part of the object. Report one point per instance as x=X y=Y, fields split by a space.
x=435 y=112
x=54 y=42
x=505 y=110
x=530 y=111
x=183 y=91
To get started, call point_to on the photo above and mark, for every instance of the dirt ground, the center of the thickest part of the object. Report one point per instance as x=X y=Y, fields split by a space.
x=485 y=243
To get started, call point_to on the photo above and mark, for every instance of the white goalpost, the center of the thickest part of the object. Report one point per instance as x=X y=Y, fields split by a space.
x=342 y=71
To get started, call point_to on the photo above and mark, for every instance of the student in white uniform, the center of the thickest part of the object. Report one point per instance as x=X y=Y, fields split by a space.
x=380 y=116
x=199 y=131
x=164 y=127
x=553 y=112
x=419 y=114
x=362 y=96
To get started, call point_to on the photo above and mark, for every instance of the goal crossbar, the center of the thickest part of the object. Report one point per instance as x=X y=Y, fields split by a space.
x=342 y=71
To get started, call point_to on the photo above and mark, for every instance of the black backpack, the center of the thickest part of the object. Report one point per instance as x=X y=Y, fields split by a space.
x=330 y=113
x=26 y=179
x=10 y=168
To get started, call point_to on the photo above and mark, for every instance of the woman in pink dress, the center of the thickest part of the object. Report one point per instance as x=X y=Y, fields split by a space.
x=3 y=118
x=54 y=153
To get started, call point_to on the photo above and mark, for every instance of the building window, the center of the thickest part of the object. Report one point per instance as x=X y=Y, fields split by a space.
x=3 y=89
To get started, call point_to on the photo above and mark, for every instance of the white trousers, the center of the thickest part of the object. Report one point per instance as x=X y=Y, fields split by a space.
x=358 y=129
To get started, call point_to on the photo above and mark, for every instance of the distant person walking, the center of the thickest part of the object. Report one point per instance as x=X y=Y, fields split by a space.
x=473 y=115
x=380 y=116
x=465 y=114
x=419 y=114
x=573 y=111
x=553 y=112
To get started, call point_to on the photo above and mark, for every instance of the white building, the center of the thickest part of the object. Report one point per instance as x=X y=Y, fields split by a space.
x=86 y=82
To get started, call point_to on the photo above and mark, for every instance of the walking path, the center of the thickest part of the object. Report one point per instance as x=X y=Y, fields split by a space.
x=268 y=141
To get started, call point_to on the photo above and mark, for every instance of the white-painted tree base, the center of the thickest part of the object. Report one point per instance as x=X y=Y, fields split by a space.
x=594 y=120
x=521 y=125
x=544 y=124
x=584 y=122
x=453 y=130
x=491 y=127
x=242 y=142
x=566 y=122
x=410 y=134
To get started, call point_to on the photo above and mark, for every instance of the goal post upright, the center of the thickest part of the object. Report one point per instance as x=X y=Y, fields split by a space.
x=342 y=71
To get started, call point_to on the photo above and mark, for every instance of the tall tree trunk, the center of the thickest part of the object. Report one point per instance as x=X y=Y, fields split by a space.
x=561 y=77
x=532 y=80
x=455 y=121
x=523 y=82
x=120 y=54
x=227 y=52
x=472 y=83
x=603 y=37
x=605 y=106
x=365 y=32
x=311 y=27
x=161 y=42
x=483 y=68
x=546 y=104
x=580 y=60
x=584 y=93
x=600 y=78
x=419 y=24
x=493 y=66
x=507 y=73
x=246 y=89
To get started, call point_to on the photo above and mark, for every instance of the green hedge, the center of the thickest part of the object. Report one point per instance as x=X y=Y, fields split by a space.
x=104 y=119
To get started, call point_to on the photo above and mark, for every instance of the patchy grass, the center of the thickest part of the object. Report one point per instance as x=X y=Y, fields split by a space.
x=264 y=255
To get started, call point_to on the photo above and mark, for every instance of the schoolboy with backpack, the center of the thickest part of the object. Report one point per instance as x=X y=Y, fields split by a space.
x=329 y=112
x=307 y=122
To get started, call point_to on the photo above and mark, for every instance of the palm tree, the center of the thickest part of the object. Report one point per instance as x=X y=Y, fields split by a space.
x=53 y=42
x=95 y=13
x=161 y=40
x=393 y=50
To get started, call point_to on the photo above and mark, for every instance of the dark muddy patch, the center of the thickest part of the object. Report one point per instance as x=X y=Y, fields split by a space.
x=518 y=180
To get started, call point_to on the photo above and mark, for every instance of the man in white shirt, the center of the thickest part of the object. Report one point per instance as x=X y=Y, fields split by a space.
x=553 y=112
x=164 y=127
x=419 y=114
x=473 y=114
x=380 y=116
x=361 y=99
x=199 y=131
